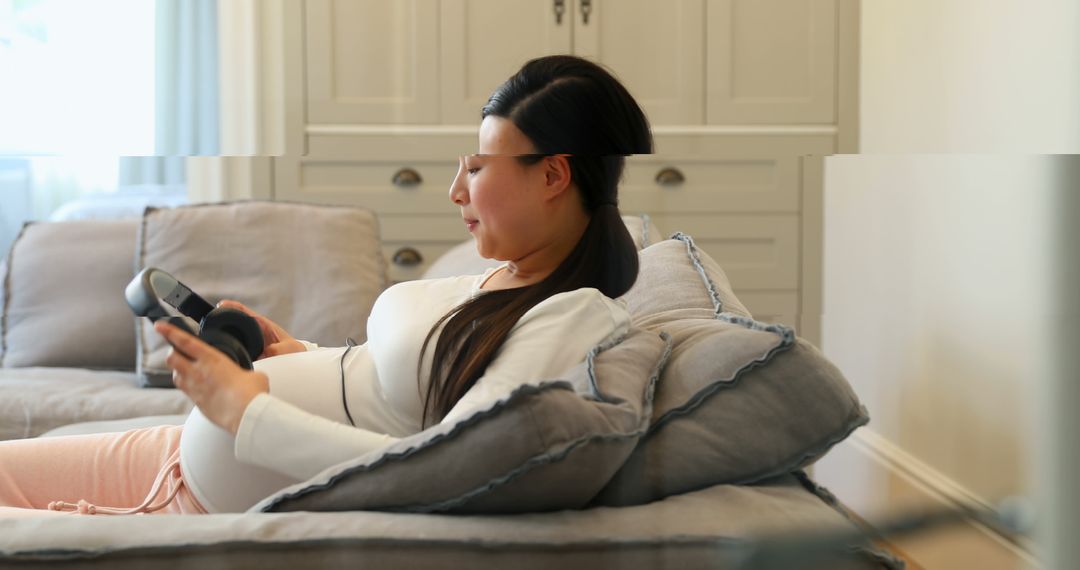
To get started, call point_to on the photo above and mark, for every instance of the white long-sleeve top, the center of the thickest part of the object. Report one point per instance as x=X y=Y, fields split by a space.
x=300 y=427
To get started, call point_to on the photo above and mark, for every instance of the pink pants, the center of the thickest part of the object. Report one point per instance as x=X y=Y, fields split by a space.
x=132 y=472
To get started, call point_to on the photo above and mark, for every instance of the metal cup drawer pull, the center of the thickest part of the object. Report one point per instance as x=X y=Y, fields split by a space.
x=407 y=178
x=670 y=176
x=407 y=257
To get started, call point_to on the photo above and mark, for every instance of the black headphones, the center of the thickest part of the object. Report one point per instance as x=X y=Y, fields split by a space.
x=233 y=332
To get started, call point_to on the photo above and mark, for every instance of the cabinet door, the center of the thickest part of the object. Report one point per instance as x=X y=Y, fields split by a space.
x=372 y=61
x=655 y=48
x=485 y=41
x=771 y=61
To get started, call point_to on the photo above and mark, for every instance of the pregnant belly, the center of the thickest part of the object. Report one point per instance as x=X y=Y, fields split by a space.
x=220 y=482
x=309 y=380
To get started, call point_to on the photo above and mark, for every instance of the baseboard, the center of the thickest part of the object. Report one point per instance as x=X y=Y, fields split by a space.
x=876 y=479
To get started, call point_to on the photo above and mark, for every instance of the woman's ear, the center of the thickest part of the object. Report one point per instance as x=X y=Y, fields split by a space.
x=557 y=176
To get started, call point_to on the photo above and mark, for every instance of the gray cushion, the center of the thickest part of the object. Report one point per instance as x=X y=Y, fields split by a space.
x=675 y=275
x=722 y=527
x=738 y=402
x=63 y=296
x=36 y=400
x=544 y=447
x=315 y=270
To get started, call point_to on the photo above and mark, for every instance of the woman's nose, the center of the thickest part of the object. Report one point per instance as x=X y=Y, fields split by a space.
x=459 y=194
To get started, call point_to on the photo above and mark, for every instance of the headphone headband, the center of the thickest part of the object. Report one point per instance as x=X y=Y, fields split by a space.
x=152 y=285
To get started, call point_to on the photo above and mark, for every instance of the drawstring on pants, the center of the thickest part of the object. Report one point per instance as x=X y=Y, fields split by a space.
x=147 y=506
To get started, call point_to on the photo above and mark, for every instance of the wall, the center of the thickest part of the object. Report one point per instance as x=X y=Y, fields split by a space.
x=970 y=76
x=938 y=290
x=942 y=275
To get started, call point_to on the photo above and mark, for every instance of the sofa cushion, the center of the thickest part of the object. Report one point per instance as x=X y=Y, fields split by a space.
x=463 y=259
x=738 y=402
x=543 y=447
x=674 y=276
x=63 y=296
x=725 y=526
x=36 y=400
x=315 y=270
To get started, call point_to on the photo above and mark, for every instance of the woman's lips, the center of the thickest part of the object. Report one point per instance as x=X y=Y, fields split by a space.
x=471 y=224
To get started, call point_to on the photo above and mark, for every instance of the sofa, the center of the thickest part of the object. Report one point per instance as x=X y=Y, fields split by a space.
x=684 y=443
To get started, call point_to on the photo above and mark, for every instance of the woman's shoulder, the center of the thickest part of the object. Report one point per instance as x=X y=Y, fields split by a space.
x=578 y=304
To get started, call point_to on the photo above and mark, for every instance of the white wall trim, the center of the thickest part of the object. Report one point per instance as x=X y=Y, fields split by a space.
x=667 y=130
x=920 y=478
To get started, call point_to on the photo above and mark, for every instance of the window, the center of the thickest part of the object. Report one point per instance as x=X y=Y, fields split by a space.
x=78 y=77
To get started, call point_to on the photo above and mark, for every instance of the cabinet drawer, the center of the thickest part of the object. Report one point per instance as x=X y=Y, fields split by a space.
x=430 y=236
x=766 y=184
x=402 y=269
x=385 y=187
x=756 y=252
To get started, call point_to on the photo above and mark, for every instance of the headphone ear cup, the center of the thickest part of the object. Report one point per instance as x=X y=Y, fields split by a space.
x=228 y=345
x=239 y=326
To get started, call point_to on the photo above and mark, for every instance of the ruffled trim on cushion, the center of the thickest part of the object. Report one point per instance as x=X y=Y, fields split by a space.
x=691 y=252
x=786 y=340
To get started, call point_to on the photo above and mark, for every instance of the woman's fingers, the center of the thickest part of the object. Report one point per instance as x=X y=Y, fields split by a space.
x=189 y=348
x=270 y=330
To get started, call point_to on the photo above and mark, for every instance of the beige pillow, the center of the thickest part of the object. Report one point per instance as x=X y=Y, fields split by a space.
x=315 y=270
x=675 y=276
x=63 y=296
x=544 y=447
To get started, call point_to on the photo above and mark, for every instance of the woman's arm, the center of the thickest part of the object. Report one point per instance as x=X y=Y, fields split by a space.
x=269 y=432
x=280 y=436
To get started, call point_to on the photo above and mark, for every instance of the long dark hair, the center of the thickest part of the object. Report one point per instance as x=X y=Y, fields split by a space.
x=564 y=105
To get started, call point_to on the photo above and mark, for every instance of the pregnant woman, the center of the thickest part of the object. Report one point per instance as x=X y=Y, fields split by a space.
x=540 y=194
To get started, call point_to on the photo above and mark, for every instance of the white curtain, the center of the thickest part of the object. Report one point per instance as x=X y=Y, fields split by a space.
x=186 y=93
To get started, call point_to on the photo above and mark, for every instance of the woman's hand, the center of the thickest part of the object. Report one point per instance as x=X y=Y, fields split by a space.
x=275 y=340
x=218 y=386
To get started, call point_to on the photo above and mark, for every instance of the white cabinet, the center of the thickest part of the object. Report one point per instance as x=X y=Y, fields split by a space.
x=655 y=48
x=388 y=93
x=372 y=61
x=771 y=61
x=435 y=62
x=485 y=41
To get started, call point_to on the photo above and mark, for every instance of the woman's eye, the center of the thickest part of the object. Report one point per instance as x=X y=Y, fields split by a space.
x=472 y=171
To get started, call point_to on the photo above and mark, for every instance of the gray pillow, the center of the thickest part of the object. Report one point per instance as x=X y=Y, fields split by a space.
x=674 y=275
x=738 y=402
x=315 y=270
x=548 y=446
x=63 y=296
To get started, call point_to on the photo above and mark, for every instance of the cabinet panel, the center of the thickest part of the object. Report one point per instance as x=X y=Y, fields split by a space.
x=766 y=184
x=372 y=62
x=771 y=61
x=772 y=307
x=485 y=41
x=755 y=251
x=656 y=50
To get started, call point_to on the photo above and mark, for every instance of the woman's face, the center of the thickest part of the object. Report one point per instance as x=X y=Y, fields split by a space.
x=500 y=197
